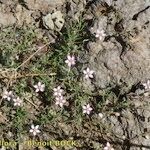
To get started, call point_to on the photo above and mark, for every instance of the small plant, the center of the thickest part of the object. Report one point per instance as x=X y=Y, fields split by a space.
x=19 y=121
x=43 y=82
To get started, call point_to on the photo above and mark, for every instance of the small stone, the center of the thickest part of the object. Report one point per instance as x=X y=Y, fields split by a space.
x=48 y=22
x=54 y=21
x=58 y=20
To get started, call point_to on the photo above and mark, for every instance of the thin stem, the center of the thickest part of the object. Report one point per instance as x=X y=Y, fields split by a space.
x=32 y=104
x=32 y=55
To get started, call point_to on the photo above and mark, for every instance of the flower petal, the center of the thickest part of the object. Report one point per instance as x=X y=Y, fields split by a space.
x=106 y=148
x=37 y=90
x=91 y=76
x=68 y=57
x=38 y=131
x=84 y=111
x=84 y=107
x=32 y=126
x=84 y=71
x=39 y=84
x=37 y=126
x=34 y=133
x=31 y=130
x=35 y=86
x=108 y=144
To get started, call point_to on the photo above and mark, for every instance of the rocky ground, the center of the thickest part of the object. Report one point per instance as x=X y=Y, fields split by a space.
x=120 y=59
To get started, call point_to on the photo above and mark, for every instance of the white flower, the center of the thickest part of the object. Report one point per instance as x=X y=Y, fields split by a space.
x=100 y=115
x=70 y=60
x=60 y=101
x=108 y=147
x=88 y=73
x=100 y=34
x=117 y=114
x=57 y=91
x=87 y=109
x=17 y=101
x=7 y=95
x=39 y=87
x=147 y=85
x=34 y=129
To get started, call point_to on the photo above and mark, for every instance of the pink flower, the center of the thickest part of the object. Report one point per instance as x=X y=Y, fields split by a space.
x=58 y=91
x=39 y=87
x=60 y=101
x=108 y=147
x=34 y=129
x=70 y=60
x=100 y=34
x=88 y=73
x=7 y=95
x=87 y=109
x=17 y=101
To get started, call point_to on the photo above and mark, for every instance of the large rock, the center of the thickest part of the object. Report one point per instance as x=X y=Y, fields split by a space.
x=6 y=16
x=54 y=21
x=125 y=55
x=131 y=127
x=7 y=19
x=43 y=5
x=123 y=59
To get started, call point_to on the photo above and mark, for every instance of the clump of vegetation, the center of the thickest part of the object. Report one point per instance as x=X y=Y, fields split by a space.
x=43 y=85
